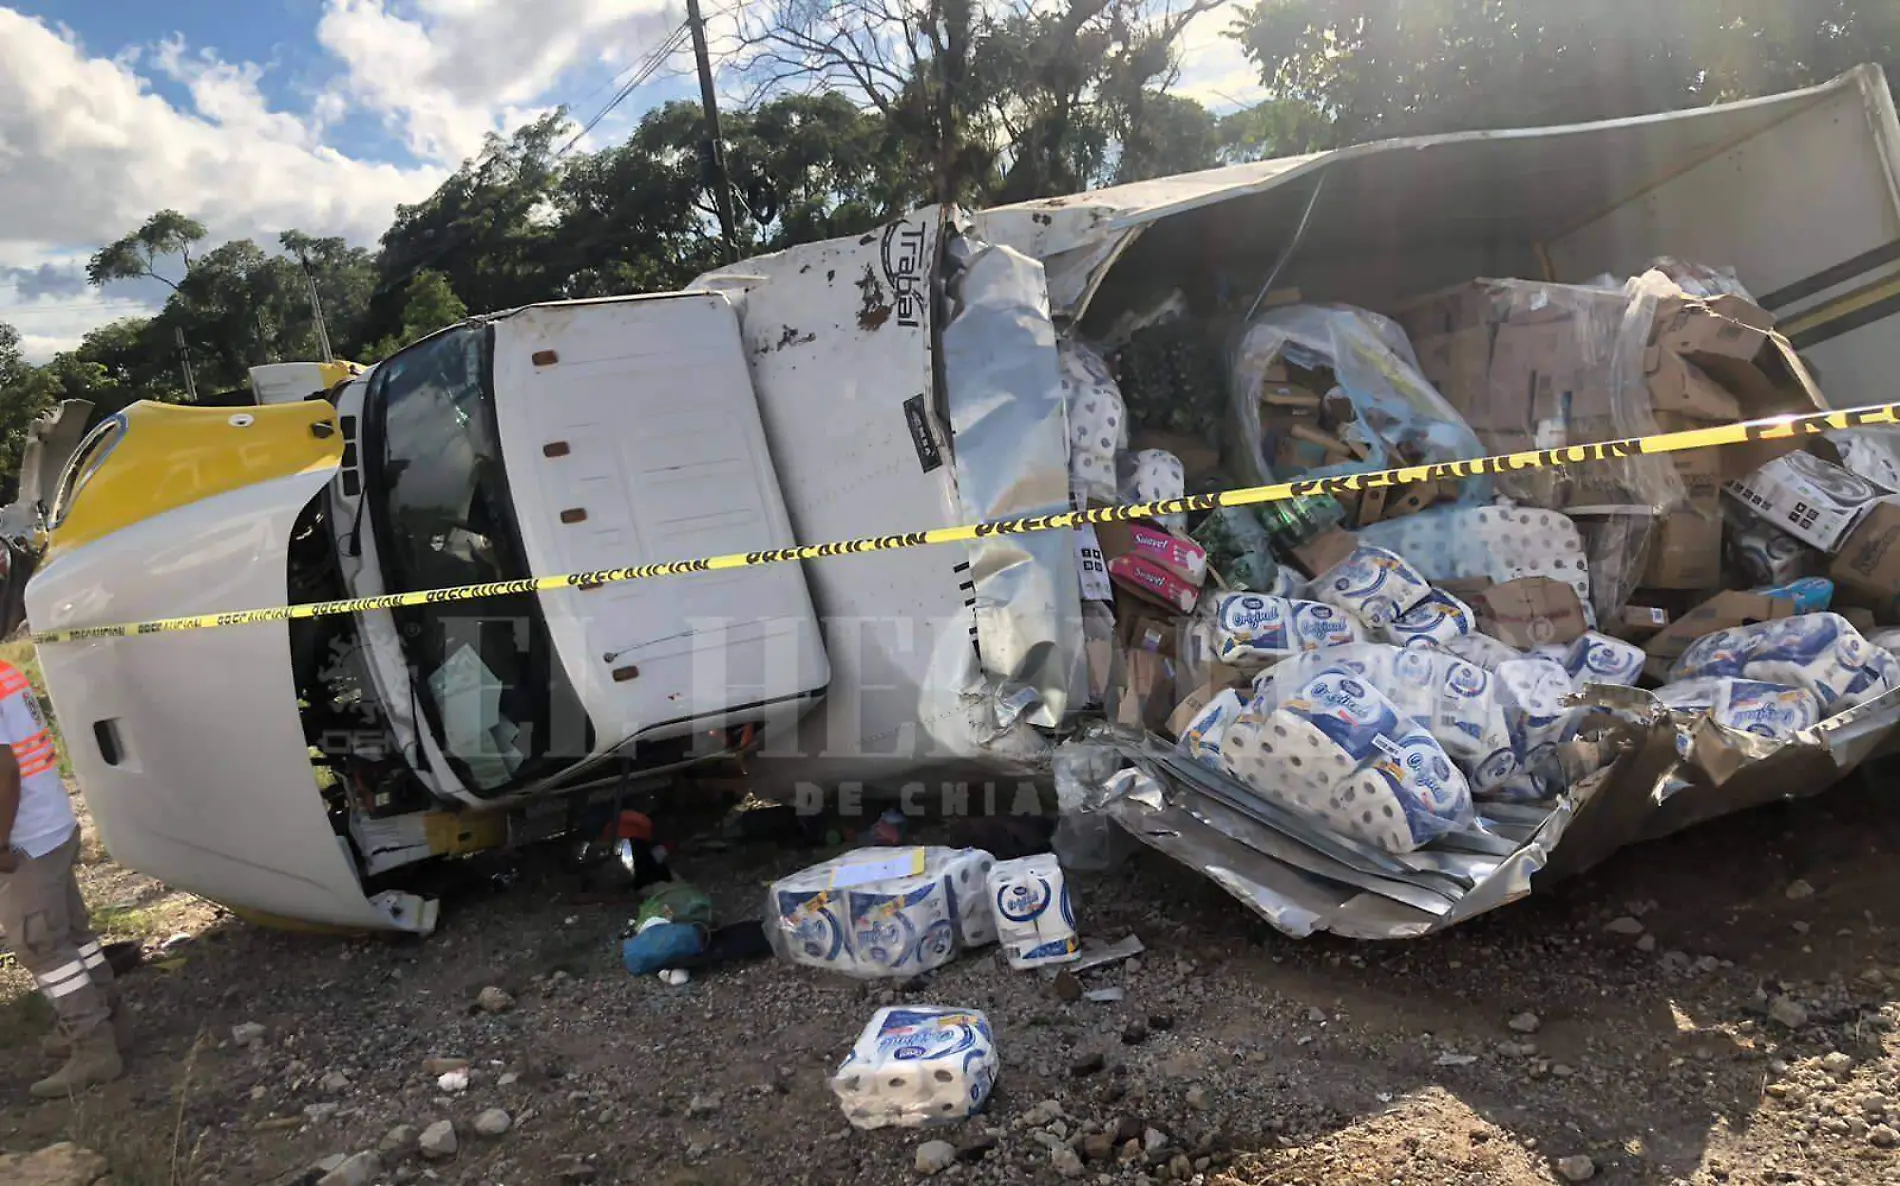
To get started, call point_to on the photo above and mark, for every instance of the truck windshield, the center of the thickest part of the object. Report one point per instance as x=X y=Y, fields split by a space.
x=439 y=505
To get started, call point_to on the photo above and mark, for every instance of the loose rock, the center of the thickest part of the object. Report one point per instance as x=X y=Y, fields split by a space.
x=1066 y=986
x=1883 y=1135
x=1135 y=1033
x=1624 y=926
x=1788 y=1012
x=1577 y=1169
x=493 y=1000
x=1197 y=1097
x=1088 y=1064
x=1526 y=1023
x=934 y=1157
x=493 y=1122
x=442 y=1066
x=705 y=1105
x=1837 y=1063
x=1798 y=889
x=397 y=1140
x=247 y=1034
x=1066 y=1162
x=359 y=1170
x=438 y=1140
x=1099 y=1146
x=1042 y=1113
x=335 y=1082
x=1646 y=944
x=318 y=1113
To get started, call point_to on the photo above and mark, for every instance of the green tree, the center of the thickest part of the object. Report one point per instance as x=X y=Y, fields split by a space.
x=429 y=304
x=136 y=255
x=25 y=392
x=345 y=276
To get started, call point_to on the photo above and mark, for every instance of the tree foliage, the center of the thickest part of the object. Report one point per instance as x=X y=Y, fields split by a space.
x=864 y=108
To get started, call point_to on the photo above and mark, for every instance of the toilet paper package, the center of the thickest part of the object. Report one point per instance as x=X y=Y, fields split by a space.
x=1823 y=653
x=1254 y=628
x=1453 y=700
x=1098 y=420
x=882 y=911
x=1034 y=921
x=1597 y=659
x=1767 y=556
x=1811 y=595
x=918 y=1065
x=1532 y=691
x=1159 y=476
x=1773 y=711
x=1201 y=739
x=1341 y=752
x=1481 y=650
x=1435 y=621
x=1373 y=585
x=1498 y=544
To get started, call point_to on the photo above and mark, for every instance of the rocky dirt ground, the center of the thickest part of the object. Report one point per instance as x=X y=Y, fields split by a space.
x=1719 y=1007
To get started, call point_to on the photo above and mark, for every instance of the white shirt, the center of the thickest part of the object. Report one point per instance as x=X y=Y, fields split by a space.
x=45 y=819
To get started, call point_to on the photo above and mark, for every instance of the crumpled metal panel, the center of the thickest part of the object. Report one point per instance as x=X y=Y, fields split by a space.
x=1010 y=442
x=1303 y=879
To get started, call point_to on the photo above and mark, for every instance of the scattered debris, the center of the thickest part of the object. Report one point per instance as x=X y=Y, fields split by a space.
x=1106 y=996
x=1095 y=957
x=1066 y=987
x=935 y=1156
x=453 y=1082
x=1449 y=1059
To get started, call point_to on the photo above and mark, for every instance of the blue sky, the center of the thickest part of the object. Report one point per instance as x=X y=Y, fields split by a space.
x=258 y=115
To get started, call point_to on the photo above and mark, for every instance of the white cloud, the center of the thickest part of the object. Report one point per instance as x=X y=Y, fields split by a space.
x=87 y=151
x=1214 y=71
x=451 y=71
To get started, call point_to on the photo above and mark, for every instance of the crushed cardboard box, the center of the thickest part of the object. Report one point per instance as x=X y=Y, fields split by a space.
x=1531 y=612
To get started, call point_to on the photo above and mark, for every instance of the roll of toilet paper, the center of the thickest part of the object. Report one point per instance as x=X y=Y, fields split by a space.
x=1201 y=739
x=918 y=1065
x=1035 y=923
x=882 y=911
x=1098 y=420
x=1768 y=556
x=1373 y=585
x=1774 y=711
x=1822 y=653
x=1370 y=661
x=1435 y=621
x=1341 y=752
x=1158 y=477
x=1597 y=659
x=1254 y=628
x=966 y=872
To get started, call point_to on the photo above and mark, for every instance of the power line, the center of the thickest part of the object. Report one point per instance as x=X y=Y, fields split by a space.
x=646 y=71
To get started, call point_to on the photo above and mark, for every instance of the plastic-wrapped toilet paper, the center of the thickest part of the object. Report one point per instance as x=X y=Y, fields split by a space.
x=1253 y=628
x=918 y=1065
x=1098 y=420
x=1533 y=691
x=1159 y=476
x=1435 y=621
x=1597 y=659
x=1373 y=585
x=1811 y=595
x=1201 y=739
x=1481 y=650
x=1774 y=711
x=1496 y=543
x=1035 y=923
x=1340 y=751
x=882 y=911
x=1823 y=653
x=1768 y=556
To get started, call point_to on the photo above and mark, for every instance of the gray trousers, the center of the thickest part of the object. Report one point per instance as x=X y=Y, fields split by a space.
x=47 y=927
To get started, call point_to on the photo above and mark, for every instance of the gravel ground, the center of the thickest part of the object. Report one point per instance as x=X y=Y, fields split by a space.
x=1717 y=1007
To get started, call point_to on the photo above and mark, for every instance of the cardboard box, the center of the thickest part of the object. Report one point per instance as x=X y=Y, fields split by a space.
x=1725 y=326
x=1145 y=692
x=1724 y=611
x=1457 y=364
x=1372 y=502
x=1685 y=550
x=1193 y=703
x=1682 y=388
x=1813 y=500
x=1447 y=310
x=1324 y=551
x=1410 y=500
x=1530 y=612
x=1641 y=621
x=1701 y=470
x=1465 y=589
x=1869 y=558
x=1859 y=618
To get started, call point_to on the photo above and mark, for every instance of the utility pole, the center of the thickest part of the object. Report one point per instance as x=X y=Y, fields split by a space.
x=715 y=149
x=184 y=362
x=316 y=309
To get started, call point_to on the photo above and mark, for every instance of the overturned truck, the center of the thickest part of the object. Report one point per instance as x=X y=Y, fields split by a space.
x=1314 y=315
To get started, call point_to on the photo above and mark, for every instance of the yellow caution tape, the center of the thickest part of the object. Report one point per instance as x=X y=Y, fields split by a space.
x=1771 y=429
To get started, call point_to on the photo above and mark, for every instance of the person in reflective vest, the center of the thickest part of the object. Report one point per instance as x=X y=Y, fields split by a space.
x=41 y=909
